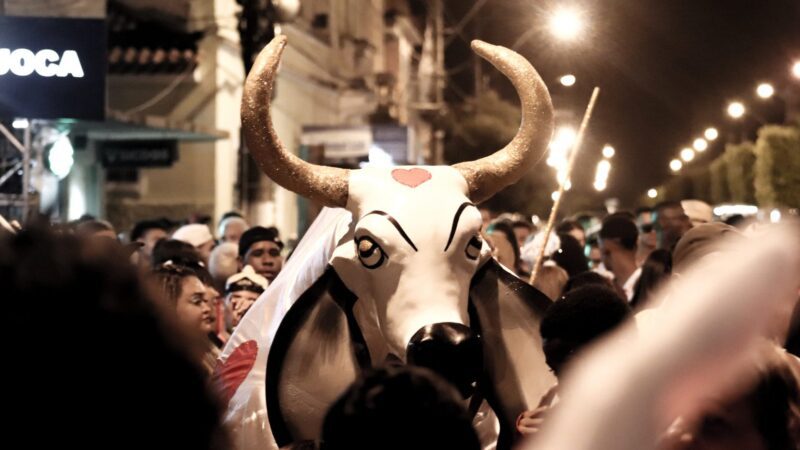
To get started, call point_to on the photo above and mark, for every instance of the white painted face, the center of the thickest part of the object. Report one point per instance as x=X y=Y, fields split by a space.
x=415 y=247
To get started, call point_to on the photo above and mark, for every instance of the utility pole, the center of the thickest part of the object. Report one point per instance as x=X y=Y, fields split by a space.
x=439 y=71
x=477 y=63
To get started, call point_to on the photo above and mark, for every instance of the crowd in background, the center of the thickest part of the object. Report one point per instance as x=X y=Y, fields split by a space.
x=161 y=337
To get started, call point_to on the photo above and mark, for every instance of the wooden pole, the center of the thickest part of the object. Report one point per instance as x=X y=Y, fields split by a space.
x=570 y=163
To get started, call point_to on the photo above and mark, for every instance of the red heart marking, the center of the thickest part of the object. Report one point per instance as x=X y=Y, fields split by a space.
x=411 y=177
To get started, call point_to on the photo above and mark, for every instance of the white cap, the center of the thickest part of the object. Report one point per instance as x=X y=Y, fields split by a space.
x=698 y=211
x=248 y=279
x=195 y=234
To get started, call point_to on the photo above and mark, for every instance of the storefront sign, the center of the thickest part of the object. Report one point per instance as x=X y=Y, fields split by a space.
x=138 y=153
x=52 y=68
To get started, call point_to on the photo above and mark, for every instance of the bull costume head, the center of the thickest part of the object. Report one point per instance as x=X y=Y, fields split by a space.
x=408 y=279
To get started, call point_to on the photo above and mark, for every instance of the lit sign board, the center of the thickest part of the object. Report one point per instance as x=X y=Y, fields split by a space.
x=52 y=68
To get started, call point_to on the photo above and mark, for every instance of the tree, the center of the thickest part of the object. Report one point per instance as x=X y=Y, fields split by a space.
x=482 y=125
x=700 y=179
x=739 y=163
x=719 y=180
x=777 y=166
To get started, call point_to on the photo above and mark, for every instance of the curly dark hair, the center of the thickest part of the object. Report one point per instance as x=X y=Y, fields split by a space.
x=396 y=408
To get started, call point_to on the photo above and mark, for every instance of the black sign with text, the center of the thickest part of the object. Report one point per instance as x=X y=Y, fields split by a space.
x=138 y=153
x=52 y=68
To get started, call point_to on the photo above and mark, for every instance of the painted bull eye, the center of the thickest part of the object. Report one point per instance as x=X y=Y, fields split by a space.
x=474 y=247
x=370 y=253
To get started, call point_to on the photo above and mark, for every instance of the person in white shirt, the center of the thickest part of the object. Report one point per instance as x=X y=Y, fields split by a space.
x=618 y=243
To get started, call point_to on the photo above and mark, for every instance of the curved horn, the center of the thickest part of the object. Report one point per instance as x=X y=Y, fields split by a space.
x=326 y=185
x=488 y=175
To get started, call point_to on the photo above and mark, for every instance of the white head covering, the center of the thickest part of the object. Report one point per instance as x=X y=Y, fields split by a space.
x=229 y=220
x=530 y=251
x=195 y=234
x=249 y=274
x=698 y=211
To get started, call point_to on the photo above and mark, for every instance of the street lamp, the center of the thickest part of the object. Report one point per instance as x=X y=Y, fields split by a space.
x=675 y=165
x=566 y=24
x=736 y=110
x=608 y=152
x=687 y=154
x=711 y=133
x=567 y=80
x=601 y=175
x=765 y=90
x=700 y=144
x=61 y=157
x=652 y=193
x=796 y=69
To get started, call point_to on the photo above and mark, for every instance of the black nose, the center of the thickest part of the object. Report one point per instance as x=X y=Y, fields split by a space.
x=452 y=350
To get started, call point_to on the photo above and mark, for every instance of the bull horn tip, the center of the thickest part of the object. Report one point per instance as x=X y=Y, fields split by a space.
x=279 y=41
x=478 y=44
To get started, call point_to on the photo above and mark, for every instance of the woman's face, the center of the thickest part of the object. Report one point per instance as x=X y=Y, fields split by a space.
x=503 y=250
x=193 y=309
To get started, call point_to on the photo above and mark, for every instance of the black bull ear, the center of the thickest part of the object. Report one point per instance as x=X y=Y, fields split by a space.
x=316 y=354
x=506 y=312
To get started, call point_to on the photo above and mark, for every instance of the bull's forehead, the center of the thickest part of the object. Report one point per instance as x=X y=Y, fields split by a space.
x=419 y=197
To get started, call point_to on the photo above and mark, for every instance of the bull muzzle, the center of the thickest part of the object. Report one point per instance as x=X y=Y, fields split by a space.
x=452 y=350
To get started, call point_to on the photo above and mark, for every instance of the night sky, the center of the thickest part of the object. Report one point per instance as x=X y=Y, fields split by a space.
x=666 y=68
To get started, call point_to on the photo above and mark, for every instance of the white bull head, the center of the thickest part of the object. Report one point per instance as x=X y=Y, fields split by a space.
x=412 y=267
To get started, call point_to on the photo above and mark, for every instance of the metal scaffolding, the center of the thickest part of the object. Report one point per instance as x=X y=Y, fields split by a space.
x=20 y=202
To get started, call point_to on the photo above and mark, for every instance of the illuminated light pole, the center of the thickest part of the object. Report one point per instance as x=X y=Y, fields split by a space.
x=566 y=24
x=736 y=110
x=608 y=152
x=765 y=90
x=675 y=165
x=652 y=193
x=687 y=154
x=700 y=144
x=711 y=134
x=567 y=80
x=601 y=175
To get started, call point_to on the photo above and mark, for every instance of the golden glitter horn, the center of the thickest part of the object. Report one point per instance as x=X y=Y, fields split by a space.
x=488 y=175
x=326 y=185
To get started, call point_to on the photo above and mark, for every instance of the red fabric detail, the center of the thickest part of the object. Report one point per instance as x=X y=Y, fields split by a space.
x=230 y=374
x=411 y=177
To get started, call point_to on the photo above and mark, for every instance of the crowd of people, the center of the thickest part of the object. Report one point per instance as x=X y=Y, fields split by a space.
x=158 y=304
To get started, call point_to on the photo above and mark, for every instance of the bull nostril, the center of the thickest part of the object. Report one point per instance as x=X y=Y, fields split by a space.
x=452 y=350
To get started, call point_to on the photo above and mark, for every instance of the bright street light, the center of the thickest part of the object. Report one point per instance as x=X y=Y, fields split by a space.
x=765 y=90
x=601 y=175
x=700 y=144
x=567 y=80
x=560 y=146
x=687 y=154
x=61 y=157
x=711 y=133
x=796 y=69
x=675 y=165
x=566 y=24
x=608 y=152
x=554 y=195
x=652 y=193
x=736 y=110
